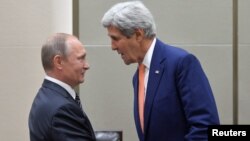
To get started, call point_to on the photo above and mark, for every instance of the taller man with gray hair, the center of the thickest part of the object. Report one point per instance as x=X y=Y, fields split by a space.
x=173 y=100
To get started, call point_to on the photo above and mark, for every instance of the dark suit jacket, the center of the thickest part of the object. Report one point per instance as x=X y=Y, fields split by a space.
x=55 y=116
x=179 y=103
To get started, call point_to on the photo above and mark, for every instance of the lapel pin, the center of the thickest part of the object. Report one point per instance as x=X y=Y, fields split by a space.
x=157 y=71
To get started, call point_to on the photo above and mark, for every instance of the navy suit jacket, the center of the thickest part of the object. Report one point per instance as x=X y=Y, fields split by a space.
x=179 y=102
x=55 y=116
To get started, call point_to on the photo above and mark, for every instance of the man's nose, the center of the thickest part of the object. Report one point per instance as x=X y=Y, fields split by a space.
x=86 y=66
x=113 y=47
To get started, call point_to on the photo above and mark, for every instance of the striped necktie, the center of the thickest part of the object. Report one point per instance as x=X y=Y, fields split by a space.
x=78 y=101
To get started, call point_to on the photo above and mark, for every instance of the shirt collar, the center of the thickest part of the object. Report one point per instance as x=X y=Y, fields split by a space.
x=62 y=84
x=148 y=57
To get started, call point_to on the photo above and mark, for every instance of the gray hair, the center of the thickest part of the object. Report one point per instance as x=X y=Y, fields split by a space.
x=129 y=16
x=55 y=45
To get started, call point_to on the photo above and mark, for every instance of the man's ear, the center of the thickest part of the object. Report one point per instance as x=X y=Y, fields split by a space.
x=139 y=34
x=58 y=62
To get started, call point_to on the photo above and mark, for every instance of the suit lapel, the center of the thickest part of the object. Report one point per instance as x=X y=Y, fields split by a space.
x=155 y=75
x=61 y=91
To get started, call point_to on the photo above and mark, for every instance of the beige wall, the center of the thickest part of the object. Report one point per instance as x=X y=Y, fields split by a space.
x=244 y=65
x=202 y=27
x=24 y=26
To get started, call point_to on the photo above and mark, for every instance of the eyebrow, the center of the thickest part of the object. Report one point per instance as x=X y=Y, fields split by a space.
x=83 y=55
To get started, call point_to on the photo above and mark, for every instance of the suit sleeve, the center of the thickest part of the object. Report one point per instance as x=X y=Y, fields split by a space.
x=196 y=97
x=69 y=124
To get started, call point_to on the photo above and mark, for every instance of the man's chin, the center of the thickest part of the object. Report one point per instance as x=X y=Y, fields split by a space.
x=127 y=62
x=81 y=81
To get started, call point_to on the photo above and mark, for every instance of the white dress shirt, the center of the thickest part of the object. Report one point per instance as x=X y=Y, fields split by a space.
x=147 y=61
x=69 y=89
